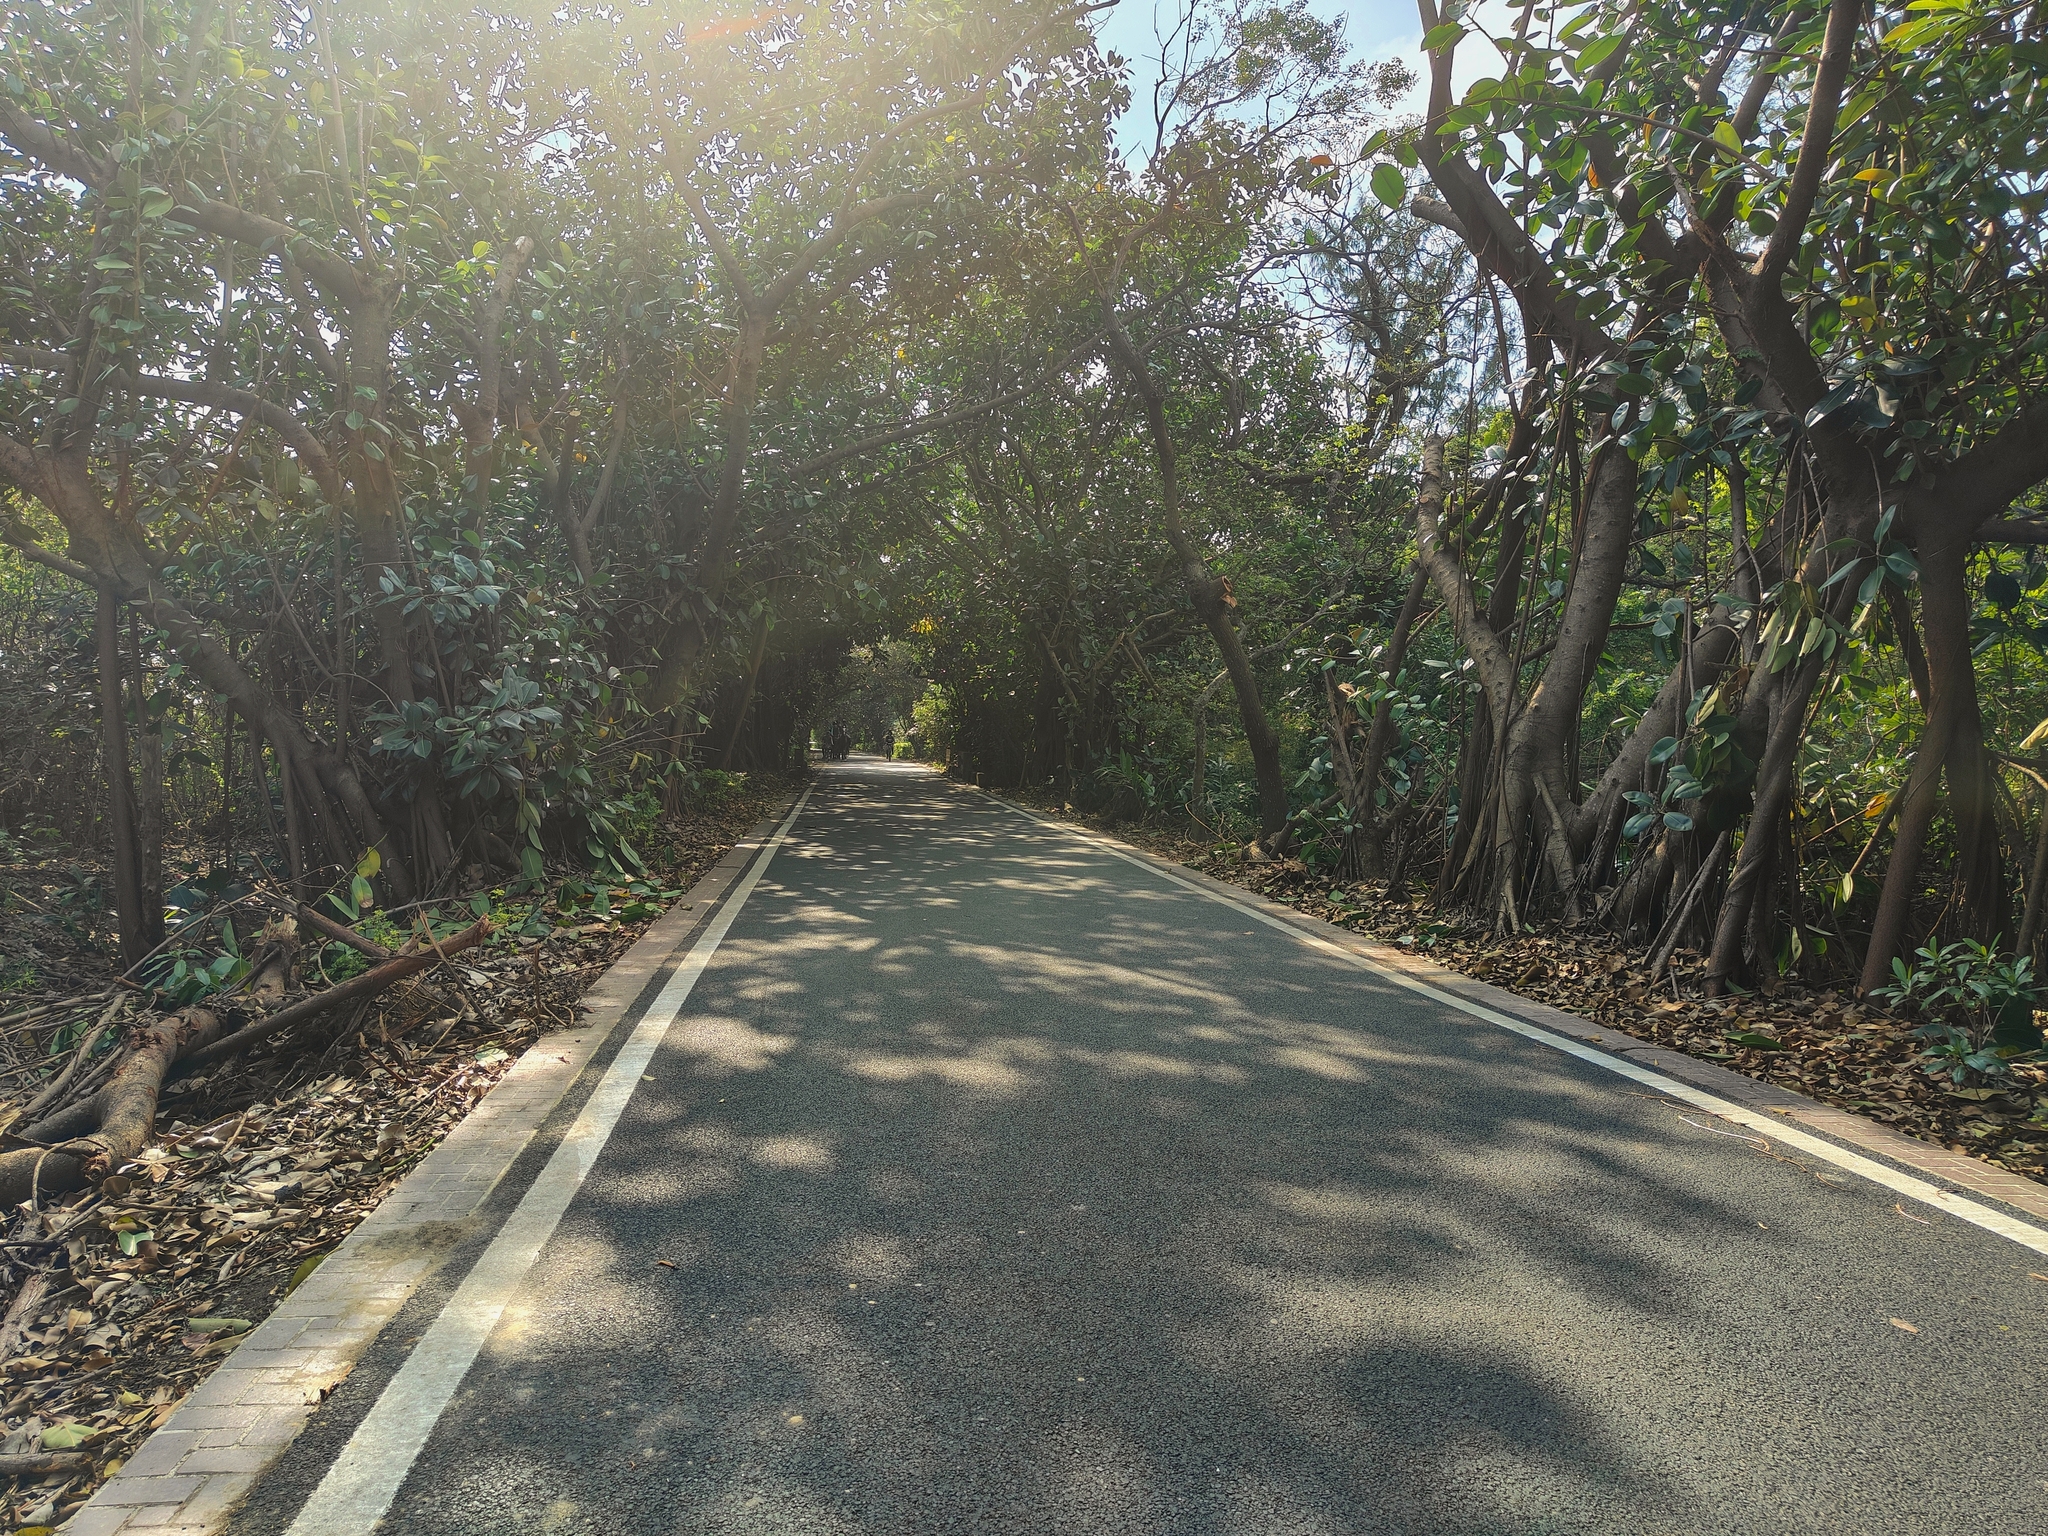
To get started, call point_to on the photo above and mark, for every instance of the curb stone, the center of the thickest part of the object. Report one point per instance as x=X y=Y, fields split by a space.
x=187 y=1476
x=1954 y=1172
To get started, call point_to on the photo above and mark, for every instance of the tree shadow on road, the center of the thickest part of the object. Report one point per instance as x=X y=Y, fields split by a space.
x=1007 y=1190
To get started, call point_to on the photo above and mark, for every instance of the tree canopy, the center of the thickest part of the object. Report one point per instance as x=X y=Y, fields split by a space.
x=1610 y=493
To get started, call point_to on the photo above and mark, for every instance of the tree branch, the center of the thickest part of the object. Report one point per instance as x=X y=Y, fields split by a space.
x=728 y=258
x=295 y=434
x=919 y=426
x=1817 y=143
x=778 y=292
x=42 y=143
x=332 y=272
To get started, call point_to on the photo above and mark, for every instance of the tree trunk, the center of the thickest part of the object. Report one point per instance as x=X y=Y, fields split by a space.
x=739 y=719
x=684 y=643
x=126 y=874
x=120 y=565
x=1776 y=781
x=1951 y=744
x=1213 y=602
x=1372 y=842
x=149 y=794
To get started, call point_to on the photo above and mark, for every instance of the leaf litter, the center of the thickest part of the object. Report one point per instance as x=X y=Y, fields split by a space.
x=127 y=1295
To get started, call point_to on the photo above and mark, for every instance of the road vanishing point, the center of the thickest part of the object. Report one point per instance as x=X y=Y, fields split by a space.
x=971 y=1175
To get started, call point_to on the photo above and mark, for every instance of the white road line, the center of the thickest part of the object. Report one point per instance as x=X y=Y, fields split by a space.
x=1963 y=1209
x=358 y=1489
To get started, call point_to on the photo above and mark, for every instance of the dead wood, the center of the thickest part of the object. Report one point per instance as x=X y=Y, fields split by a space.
x=274 y=963
x=341 y=933
x=125 y=1113
x=40 y=1462
x=85 y=1140
x=86 y=1042
x=354 y=990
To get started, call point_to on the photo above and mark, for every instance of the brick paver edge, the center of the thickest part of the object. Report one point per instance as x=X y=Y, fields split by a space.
x=1954 y=1171
x=186 y=1477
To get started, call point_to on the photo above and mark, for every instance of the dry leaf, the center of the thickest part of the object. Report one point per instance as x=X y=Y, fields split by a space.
x=1900 y=1322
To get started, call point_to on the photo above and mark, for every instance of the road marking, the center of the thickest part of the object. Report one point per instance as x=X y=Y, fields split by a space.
x=358 y=1489
x=1962 y=1208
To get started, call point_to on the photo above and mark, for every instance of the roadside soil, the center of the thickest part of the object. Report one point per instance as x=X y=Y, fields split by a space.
x=124 y=1297
x=1814 y=1040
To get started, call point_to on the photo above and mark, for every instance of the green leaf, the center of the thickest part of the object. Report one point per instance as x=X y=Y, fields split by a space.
x=1724 y=136
x=128 y=1242
x=1596 y=53
x=1443 y=35
x=1756 y=1042
x=1389 y=185
x=359 y=892
x=66 y=1437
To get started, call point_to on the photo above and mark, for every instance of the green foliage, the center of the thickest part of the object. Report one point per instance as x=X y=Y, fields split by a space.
x=185 y=975
x=1977 y=1006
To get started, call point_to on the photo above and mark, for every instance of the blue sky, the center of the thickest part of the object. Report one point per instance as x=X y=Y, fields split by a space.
x=1377 y=29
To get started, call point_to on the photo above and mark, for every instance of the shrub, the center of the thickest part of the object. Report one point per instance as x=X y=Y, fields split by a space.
x=1978 y=1008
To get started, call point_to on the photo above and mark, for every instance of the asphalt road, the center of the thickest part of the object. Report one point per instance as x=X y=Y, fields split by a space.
x=1009 y=1187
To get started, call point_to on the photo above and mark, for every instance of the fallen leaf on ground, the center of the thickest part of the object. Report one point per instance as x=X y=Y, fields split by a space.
x=1900 y=1322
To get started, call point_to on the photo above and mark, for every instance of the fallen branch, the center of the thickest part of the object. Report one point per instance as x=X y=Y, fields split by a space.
x=125 y=1113
x=341 y=933
x=39 y=1462
x=87 y=1041
x=354 y=990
